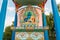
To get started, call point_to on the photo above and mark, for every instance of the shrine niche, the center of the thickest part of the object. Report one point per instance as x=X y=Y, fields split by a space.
x=29 y=19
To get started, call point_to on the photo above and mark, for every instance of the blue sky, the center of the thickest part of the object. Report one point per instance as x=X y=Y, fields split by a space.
x=11 y=10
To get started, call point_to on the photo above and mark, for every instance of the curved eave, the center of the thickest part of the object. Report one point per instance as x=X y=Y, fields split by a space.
x=31 y=2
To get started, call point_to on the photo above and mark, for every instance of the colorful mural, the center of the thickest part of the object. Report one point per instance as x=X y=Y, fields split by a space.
x=29 y=18
x=29 y=36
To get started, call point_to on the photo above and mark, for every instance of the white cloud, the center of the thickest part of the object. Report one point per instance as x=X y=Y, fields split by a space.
x=11 y=8
x=58 y=1
x=47 y=13
x=9 y=16
x=10 y=13
x=1 y=4
x=8 y=21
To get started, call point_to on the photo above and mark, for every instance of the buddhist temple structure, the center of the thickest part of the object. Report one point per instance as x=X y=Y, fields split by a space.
x=30 y=20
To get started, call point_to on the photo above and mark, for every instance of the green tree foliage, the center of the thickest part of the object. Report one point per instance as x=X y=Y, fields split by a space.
x=26 y=2
x=8 y=32
x=50 y=23
x=59 y=7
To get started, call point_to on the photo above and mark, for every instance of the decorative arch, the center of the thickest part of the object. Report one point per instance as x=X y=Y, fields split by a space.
x=34 y=12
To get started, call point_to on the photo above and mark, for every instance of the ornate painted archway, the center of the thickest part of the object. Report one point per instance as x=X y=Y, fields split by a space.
x=30 y=13
x=55 y=12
